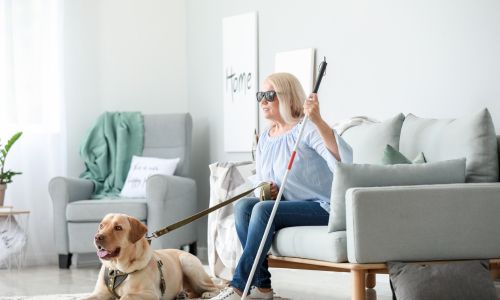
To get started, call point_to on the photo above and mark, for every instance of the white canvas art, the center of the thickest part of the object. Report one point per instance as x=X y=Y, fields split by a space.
x=299 y=63
x=239 y=35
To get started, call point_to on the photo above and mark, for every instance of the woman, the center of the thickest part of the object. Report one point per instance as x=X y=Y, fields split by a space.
x=306 y=196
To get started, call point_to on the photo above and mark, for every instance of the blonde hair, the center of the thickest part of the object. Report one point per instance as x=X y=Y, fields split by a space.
x=290 y=94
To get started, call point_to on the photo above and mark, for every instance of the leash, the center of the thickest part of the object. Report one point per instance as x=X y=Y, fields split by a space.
x=264 y=195
x=322 y=68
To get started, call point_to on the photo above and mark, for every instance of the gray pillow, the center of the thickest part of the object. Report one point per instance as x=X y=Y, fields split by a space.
x=364 y=175
x=472 y=136
x=369 y=140
x=458 y=280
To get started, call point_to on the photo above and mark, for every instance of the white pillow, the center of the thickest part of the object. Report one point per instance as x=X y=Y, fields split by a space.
x=141 y=168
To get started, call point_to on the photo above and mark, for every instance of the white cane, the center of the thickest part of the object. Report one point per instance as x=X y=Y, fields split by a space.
x=282 y=188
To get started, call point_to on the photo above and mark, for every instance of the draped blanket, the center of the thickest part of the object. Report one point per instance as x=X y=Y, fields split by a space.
x=227 y=179
x=108 y=148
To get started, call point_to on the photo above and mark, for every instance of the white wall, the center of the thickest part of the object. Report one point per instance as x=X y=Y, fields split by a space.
x=122 y=55
x=119 y=55
x=431 y=58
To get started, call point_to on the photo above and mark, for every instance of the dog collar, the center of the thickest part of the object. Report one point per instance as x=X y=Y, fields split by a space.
x=113 y=278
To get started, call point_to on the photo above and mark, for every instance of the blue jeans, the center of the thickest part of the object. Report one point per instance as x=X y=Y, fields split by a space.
x=251 y=216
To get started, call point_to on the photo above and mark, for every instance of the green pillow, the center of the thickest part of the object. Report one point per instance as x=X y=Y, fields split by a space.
x=394 y=157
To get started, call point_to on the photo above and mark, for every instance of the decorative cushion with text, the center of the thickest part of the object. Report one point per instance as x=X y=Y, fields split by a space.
x=141 y=168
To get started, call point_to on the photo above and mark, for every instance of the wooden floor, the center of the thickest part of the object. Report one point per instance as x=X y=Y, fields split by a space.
x=363 y=275
x=293 y=284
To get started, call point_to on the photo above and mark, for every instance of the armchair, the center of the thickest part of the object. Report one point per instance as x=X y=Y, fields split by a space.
x=168 y=198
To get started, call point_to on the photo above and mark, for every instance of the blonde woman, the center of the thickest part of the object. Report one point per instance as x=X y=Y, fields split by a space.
x=306 y=197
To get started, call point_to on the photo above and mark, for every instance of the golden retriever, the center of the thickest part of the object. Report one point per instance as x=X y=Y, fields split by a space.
x=121 y=245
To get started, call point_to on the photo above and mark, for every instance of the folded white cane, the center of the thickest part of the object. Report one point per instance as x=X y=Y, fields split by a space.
x=322 y=69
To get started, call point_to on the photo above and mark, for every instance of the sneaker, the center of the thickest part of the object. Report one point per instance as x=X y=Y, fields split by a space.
x=227 y=293
x=255 y=293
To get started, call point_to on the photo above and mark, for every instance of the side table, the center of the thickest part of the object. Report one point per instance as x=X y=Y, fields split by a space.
x=13 y=236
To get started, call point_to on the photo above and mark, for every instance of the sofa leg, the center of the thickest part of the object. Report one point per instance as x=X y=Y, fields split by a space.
x=495 y=273
x=358 y=284
x=371 y=280
x=64 y=261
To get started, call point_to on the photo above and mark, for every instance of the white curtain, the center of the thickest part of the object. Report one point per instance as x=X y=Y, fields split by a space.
x=31 y=101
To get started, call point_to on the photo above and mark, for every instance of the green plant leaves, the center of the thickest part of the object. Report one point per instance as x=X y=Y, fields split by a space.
x=6 y=176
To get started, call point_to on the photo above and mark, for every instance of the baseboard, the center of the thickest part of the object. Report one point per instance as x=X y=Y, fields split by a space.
x=40 y=259
x=85 y=260
x=203 y=254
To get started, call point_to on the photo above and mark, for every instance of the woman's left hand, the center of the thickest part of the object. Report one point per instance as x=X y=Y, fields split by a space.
x=311 y=109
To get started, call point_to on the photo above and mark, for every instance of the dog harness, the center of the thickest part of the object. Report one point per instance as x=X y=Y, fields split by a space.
x=113 y=278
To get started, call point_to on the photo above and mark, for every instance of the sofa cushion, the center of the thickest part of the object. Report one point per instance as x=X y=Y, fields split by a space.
x=472 y=137
x=312 y=242
x=365 y=175
x=458 y=280
x=368 y=141
x=95 y=210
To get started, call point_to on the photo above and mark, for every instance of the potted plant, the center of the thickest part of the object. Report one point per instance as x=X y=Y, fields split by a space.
x=6 y=176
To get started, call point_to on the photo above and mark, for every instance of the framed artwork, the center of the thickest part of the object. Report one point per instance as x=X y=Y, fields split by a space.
x=299 y=63
x=240 y=81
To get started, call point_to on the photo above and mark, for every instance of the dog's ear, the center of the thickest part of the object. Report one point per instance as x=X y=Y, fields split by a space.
x=137 y=230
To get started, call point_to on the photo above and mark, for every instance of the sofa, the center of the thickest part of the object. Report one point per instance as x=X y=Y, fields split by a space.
x=423 y=222
x=168 y=198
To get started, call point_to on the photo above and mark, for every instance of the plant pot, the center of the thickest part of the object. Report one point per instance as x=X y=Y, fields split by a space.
x=3 y=187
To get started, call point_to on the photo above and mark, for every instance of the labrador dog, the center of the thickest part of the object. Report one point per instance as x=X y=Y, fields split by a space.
x=121 y=246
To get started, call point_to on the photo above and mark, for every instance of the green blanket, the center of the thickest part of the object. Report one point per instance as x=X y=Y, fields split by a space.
x=108 y=148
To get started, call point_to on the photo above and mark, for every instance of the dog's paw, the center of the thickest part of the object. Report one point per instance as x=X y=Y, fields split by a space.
x=209 y=295
x=182 y=296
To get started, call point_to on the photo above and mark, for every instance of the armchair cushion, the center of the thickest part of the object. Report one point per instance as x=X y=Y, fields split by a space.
x=364 y=175
x=95 y=210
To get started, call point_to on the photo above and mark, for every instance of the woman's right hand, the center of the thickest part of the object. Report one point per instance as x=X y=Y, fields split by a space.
x=274 y=190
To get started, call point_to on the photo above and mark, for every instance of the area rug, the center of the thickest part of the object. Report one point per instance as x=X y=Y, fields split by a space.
x=72 y=297
x=46 y=297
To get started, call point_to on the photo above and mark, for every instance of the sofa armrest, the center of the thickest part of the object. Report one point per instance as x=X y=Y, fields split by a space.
x=426 y=222
x=64 y=190
x=171 y=199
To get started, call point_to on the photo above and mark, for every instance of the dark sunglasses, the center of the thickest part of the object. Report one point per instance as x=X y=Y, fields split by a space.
x=269 y=96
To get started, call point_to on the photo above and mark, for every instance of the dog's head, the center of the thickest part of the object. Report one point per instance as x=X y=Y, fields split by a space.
x=116 y=233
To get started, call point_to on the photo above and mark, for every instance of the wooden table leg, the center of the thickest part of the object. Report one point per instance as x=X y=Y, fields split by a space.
x=371 y=280
x=358 y=284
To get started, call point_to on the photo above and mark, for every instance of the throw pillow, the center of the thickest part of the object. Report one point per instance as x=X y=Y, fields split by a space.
x=369 y=140
x=451 y=280
x=472 y=136
x=365 y=175
x=394 y=157
x=141 y=168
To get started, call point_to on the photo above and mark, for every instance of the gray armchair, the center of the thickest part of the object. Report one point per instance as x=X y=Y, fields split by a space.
x=168 y=198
